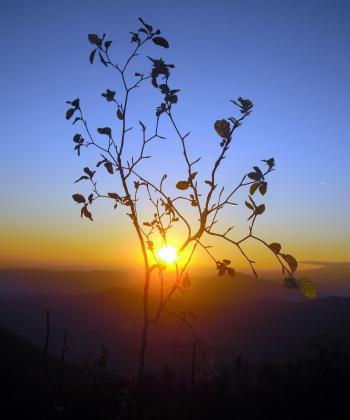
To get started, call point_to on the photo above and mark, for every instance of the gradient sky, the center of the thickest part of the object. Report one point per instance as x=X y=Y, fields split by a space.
x=291 y=58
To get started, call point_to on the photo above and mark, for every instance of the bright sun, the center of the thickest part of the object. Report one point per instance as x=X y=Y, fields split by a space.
x=167 y=254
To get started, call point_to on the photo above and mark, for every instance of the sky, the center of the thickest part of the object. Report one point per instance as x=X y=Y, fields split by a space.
x=291 y=58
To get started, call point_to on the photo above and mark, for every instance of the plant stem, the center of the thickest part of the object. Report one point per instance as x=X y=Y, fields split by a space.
x=144 y=335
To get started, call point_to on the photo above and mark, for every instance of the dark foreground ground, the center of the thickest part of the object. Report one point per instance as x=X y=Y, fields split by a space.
x=312 y=388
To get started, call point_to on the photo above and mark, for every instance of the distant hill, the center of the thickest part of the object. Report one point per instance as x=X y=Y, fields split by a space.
x=24 y=282
x=331 y=279
x=241 y=288
x=92 y=319
x=258 y=317
x=262 y=328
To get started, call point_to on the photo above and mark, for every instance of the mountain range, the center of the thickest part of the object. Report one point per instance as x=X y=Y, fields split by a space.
x=240 y=316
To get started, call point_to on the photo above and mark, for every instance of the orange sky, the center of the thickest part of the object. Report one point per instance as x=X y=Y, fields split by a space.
x=84 y=245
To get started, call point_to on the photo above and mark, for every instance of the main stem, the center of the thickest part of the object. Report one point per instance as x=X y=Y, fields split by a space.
x=144 y=334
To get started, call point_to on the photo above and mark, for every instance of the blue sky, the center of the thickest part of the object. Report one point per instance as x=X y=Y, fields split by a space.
x=291 y=58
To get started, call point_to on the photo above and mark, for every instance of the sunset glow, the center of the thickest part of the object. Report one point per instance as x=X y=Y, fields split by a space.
x=71 y=241
x=167 y=254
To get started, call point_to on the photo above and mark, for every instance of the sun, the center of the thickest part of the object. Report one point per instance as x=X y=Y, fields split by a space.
x=167 y=254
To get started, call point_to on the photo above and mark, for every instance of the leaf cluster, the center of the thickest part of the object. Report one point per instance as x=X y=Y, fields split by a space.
x=223 y=268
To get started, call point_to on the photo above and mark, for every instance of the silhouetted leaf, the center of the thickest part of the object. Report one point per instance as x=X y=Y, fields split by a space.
x=147 y=224
x=109 y=95
x=260 y=209
x=160 y=109
x=275 y=247
x=231 y=271
x=171 y=98
x=291 y=261
x=254 y=176
x=221 y=269
x=253 y=188
x=307 y=288
x=222 y=127
x=78 y=198
x=70 y=113
x=94 y=39
x=164 y=89
x=120 y=114
x=146 y=25
x=108 y=44
x=85 y=212
x=92 y=56
x=245 y=105
x=154 y=82
x=258 y=171
x=75 y=103
x=76 y=119
x=269 y=162
x=89 y=172
x=226 y=262
x=100 y=162
x=158 y=40
x=91 y=196
x=77 y=138
x=105 y=130
x=263 y=188
x=109 y=167
x=182 y=185
x=209 y=182
x=81 y=178
x=135 y=38
x=77 y=148
x=249 y=205
x=115 y=196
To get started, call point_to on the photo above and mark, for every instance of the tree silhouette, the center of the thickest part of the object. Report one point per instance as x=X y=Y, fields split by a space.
x=201 y=194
